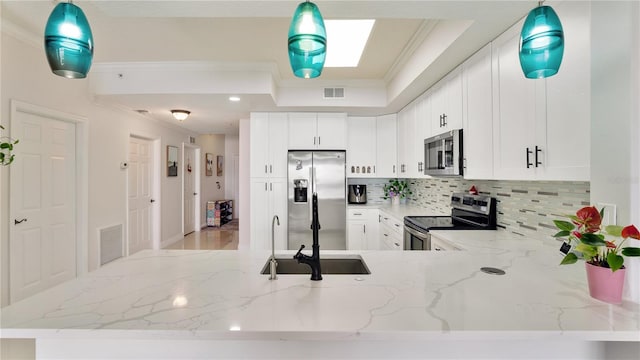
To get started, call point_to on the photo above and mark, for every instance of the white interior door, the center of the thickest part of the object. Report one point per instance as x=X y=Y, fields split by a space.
x=140 y=190
x=236 y=185
x=42 y=237
x=190 y=192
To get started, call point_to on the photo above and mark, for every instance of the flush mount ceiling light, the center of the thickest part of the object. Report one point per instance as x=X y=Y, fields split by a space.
x=180 y=115
x=68 y=42
x=541 y=43
x=307 y=41
x=234 y=98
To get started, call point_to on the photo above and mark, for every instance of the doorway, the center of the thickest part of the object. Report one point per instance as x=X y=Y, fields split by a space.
x=190 y=186
x=47 y=199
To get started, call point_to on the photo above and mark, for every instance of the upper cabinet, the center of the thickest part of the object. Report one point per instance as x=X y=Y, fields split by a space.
x=541 y=127
x=371 y=146
x=407 y=157
x=386 y=146
x=321 y=131
x=361 y=146
x=446 y=103
x=268 y=132
x=477 y=116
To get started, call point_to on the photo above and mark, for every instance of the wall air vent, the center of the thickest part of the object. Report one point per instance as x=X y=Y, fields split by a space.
x=333 y=93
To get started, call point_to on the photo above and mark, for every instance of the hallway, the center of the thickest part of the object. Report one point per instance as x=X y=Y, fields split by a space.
x=210 y=238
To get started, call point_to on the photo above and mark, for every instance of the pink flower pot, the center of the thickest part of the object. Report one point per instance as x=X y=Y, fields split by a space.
x=604 y=284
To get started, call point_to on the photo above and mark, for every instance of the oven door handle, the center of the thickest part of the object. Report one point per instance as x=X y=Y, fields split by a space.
x=420 y=235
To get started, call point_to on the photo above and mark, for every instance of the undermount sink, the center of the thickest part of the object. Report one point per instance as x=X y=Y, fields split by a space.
x=352 y=265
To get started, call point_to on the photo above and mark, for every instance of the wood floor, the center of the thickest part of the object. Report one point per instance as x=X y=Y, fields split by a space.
x=210 y=238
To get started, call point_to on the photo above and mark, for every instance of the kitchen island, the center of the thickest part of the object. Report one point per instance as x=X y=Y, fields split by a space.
x=217 y=304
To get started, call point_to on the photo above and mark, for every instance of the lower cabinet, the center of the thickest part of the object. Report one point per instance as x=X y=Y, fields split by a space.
x=438 y=244
x=268 y=199
x=391 y=233
x=362 y=229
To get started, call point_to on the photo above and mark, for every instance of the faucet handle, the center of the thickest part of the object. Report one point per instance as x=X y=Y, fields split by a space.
x=298 y=254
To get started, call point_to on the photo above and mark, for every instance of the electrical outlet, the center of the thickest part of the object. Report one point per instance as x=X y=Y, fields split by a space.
x=609 y=217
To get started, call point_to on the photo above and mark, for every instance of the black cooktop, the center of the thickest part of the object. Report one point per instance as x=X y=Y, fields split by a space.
x=426 y=223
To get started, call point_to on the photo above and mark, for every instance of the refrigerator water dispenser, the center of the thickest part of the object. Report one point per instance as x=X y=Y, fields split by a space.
x=300 y=187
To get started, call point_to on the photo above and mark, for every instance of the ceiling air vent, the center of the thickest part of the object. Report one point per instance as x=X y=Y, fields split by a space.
x=334 y=93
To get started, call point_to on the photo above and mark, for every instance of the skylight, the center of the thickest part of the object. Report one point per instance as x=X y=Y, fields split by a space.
x=346 y=40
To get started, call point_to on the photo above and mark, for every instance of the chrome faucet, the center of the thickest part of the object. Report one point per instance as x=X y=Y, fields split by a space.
x=314 y=260
x=273 y=264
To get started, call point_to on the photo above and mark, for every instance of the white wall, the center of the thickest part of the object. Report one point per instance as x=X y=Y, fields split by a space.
x=209 y=191
x=615 y=154
x=231 y=180
x=26 y=77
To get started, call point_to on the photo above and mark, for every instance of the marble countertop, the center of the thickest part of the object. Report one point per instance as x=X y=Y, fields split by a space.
x=415 y=295
x=400 y=211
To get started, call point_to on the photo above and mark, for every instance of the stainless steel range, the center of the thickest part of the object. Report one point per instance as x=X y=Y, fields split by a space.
x=468 y=212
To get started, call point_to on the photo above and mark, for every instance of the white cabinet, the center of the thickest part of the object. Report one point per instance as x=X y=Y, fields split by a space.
x=391 y=232
x=446 y=103
x=268 y=198
x=361 y=146
x=422 y=131
x=268 y=145
x=371 y=146
x=407 y=157
x=362 y=229
x=386 y=146
x=438 y=244
x=477 y=116
x=541 y=127
x=322 y=131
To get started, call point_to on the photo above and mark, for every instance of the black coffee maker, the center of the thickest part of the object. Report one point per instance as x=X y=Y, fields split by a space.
x=357 y=194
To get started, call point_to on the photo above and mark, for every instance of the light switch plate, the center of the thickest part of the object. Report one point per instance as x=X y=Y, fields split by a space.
x=609 y=217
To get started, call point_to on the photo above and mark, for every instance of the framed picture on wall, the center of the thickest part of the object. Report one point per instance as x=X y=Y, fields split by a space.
x=208 y=158
x=219 y=165
x=172 y=160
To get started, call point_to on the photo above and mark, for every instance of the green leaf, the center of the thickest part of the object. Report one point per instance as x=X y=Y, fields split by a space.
x=564 y=225
x=593 y=239
x=4 y=145
x=587 y=250
x=631 y=251
x=570 y=258
x=614 y=230
x=615 y=261
x=562 y=233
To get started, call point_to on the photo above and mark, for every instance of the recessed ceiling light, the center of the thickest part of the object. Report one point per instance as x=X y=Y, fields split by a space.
x=348 y=39
x=234 y=98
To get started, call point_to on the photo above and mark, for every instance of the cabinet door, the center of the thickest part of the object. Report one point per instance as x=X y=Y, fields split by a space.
x=259 y=144
x=260 y=232
x=438 y=107
x=356 y=235
x=453 y=110
x=386 y=146
x=477 y=116
x=372 y=237
x=278 y=126
x=278 y=206
x=566 y=150
x=302 y=131
x=361 y=146
x=332 y=131
x=401 y=149
x=407 y=141
x=422 y=131
x=515 y=112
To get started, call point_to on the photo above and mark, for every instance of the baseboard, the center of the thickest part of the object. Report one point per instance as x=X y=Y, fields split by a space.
x=171 y=241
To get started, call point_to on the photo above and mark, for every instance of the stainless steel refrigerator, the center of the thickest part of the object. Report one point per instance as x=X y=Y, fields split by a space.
x=322 y=172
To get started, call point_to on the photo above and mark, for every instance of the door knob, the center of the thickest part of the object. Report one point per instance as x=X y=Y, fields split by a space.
x=152 y=200
x=194 y=194
x=16 y=221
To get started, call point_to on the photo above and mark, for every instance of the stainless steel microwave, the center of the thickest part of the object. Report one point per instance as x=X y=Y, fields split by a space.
x=443 y=154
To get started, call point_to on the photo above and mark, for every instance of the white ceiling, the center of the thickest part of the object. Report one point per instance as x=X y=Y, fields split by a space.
x=157 y=55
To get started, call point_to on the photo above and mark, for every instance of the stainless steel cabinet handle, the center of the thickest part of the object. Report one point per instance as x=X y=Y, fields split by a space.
x=528 y=153
x=394 y=169
x=265 y=168
x=364 y=229
x=265 y=186
x=444 y=120
x=318 y=140
x=396 y=244
x=270 y=169
x=270 y=186
x=359 y=214
x=16 y=222
x=397 y=225
x=314 y=140
x=536 y=158
x=385 y=234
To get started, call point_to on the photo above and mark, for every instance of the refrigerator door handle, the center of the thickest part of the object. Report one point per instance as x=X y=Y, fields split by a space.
x=311 y=178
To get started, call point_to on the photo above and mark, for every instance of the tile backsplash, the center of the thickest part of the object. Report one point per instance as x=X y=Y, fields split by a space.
x=374 y=189
x=524 y=207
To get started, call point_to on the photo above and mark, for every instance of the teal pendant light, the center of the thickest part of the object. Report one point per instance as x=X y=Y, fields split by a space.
x=307 y=41
x=68 y=42
x=541 y=43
